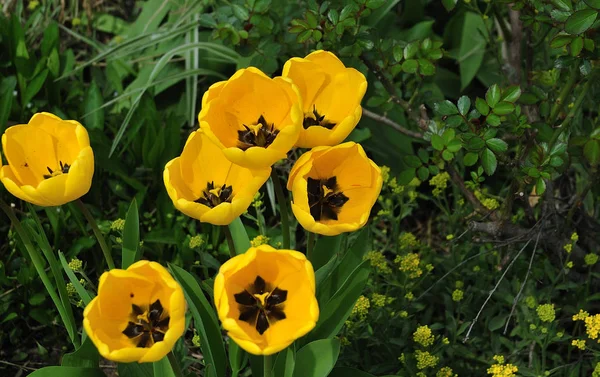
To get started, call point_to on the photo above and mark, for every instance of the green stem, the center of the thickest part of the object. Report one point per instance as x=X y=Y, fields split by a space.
x=567 y=122
x=310 y=245
x=38 y=263
x=230 y=243
x=562 y=97
x=268 y=366
x=90 y=219
x=175 y=365
x=283 y=209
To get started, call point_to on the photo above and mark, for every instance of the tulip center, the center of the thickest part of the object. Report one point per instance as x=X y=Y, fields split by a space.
x=147 y=325
x=213 y=196
x=315 y=119
x=259 y=134
x=64 y=169
x=260 y=305
x=325 y=198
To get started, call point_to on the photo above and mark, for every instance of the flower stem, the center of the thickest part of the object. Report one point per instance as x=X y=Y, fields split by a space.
x=97 y=233
x=268 y=365
x=175 y=365
x=230 y=243
x=283 y=209
x=310 y=245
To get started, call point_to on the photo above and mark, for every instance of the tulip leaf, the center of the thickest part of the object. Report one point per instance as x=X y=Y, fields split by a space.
x=237 y=358
x=131 y=236
x=239 y=235
x=163 y=368
x=7 y=87
x=325 y=248
x=335 y=311
x=135 y=370
x=81 y=291
x=205 y=321
x=68 y=372
x=34 y=86
x=86 y=356
x=317 y=359
x=94 y=119
x=284 y=363
x=348 y=372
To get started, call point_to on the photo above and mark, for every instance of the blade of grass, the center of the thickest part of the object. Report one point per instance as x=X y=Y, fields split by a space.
x=81 y=291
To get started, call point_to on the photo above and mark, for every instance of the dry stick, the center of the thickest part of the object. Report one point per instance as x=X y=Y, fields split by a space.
x=512 y=310
x=492 y=292
x=391 y=123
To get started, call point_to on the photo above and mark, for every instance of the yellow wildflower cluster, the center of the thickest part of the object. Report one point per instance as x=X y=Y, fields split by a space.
x=457 y=295
x=445 y=372
x=407 y=240
x=423 y=336
x=592 y=326
x=409 y=296
x=531 y=302
x=568 y=248
x=429 y=267
x=257 y=200
x=33 y=4
x=409 y=264
x=344 y=341
x=379 y=261
x=488 y=203
x=379 y=300
x=590 y=259
x=439 y=182
x=196 y=241
x=361 y=308
x=579 y=343
x=75 y=264
x=499 y=359
x=574 y=237
x=395 y=187
x=425 y=359
x=117 y=225
x=569 y=264
x=259 y=240
x=546 y=312
x=385 y=174
x=403 y=314
x=596 y=372
x=459 y=284
x=196 y=340
x=449 y=237
x=71 y=291
x=500 y=370
x=581 y=316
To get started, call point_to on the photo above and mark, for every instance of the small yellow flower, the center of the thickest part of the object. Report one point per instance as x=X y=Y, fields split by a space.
x=256 y=120
x=407 y=240
x=334 y=189
x=578 y=343
x=76 y=21
x=385 y=174
x=596 y=372
x=546 y=312
x=590 y=259
x=33 y=5
x=196 y=241
x=449 y=237
x=531 y=302
x=71 y=291
x=499 y=359
x=476 y=269
x=574 y=237
x=196 y=340
x=138 y=315
x=402 y=358
x=532 y=327
x=117 y=225
x=379 y=261
x=425 y=359
x=76 y=265
x=568 y=248
x=544 y=330
x=459 y=284
x=409 y=296
x=205 y=185
x=559 y=334
x=499 y=370
x=380 y=300
x=445 y=341
x=423 y=336
x=592 y=326
x=581 y=316
x=445 y=372
x=440 y=183
x=331 y=96
x=409 y=264
x=259 y=240
x=50 y=161
x=361 y=307
x=457 y=295
x=265 y=298
x=569 y=264
x=403 y=314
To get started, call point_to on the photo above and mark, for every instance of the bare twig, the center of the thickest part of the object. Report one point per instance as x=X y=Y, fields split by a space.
x=514 y=56
x=457 y=179
x=391 y=123
x=493 y=290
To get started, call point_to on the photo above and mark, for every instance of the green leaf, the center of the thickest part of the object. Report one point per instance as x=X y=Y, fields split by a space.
x=492 y=96
x=447 y=155
x=7 y=86
x=560 y=41
x=540 y=186
x=285 y=363
x=94 y=119
x=454 y=145
x=576 y=46
x=135 y=369
x=423 y=173
x=497 y=145
x=325 y=248
x=482 y=106
x=591 y=151
x=317 y=359
x=86 y=356
x=131 y=236
x=348 y=372
x=470 y=159
x=237 y=357
x=312 y=21
x=205 y=321
x=593 y=3
x=239 y=235
x=449 y=4
x=68 y=372
x=240 y=12
x=445 y=108
x=563 y=4
x=81 y=291
x=580 y=21
x=437 y=142
x=411 y=50
x=406 y=176
x=410 y=66
x=488 y=161
x=34 y=86
x=464 y=104
x=493 y=120
x=412 y=161
x=426 y=68
x=163 y=368
x=511 y=94
x=472 y=47
x=496 y=322
x=448 y=135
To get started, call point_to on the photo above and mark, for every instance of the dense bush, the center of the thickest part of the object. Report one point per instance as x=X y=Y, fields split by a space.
x=480 y=255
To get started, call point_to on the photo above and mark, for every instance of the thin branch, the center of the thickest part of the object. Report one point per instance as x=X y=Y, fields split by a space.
x=457 y=179
x=493 y=290
x=391 y=123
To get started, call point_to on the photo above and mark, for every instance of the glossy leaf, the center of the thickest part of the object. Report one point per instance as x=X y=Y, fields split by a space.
x=580 y=21
x=131 y=236
x=317 y=359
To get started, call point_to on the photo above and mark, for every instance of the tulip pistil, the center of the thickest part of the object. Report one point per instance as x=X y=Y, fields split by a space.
x=260 y=305
x=64 y=169
x=316 y=119
x=325 y=199
x=260 y=134
x=213 y=196
x=147 y=326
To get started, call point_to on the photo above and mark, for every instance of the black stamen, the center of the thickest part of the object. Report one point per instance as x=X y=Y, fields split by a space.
x=144 y=340
x=211 y=200
x=325 y=206
x=278 y=296
x=146 y=326
x=259 y=285
x=245 y=298
x=156 y=311
x=316 y=119
x=256 y=313
x=262 y=323
x=263 y=137
x=133 y=330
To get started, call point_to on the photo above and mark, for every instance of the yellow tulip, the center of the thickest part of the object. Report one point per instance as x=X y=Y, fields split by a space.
x=331 y=96
x=205 y=185
x=50 y=161
x=334 y=188
x=256 y=120
x=138 y=315
x=265 y=298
